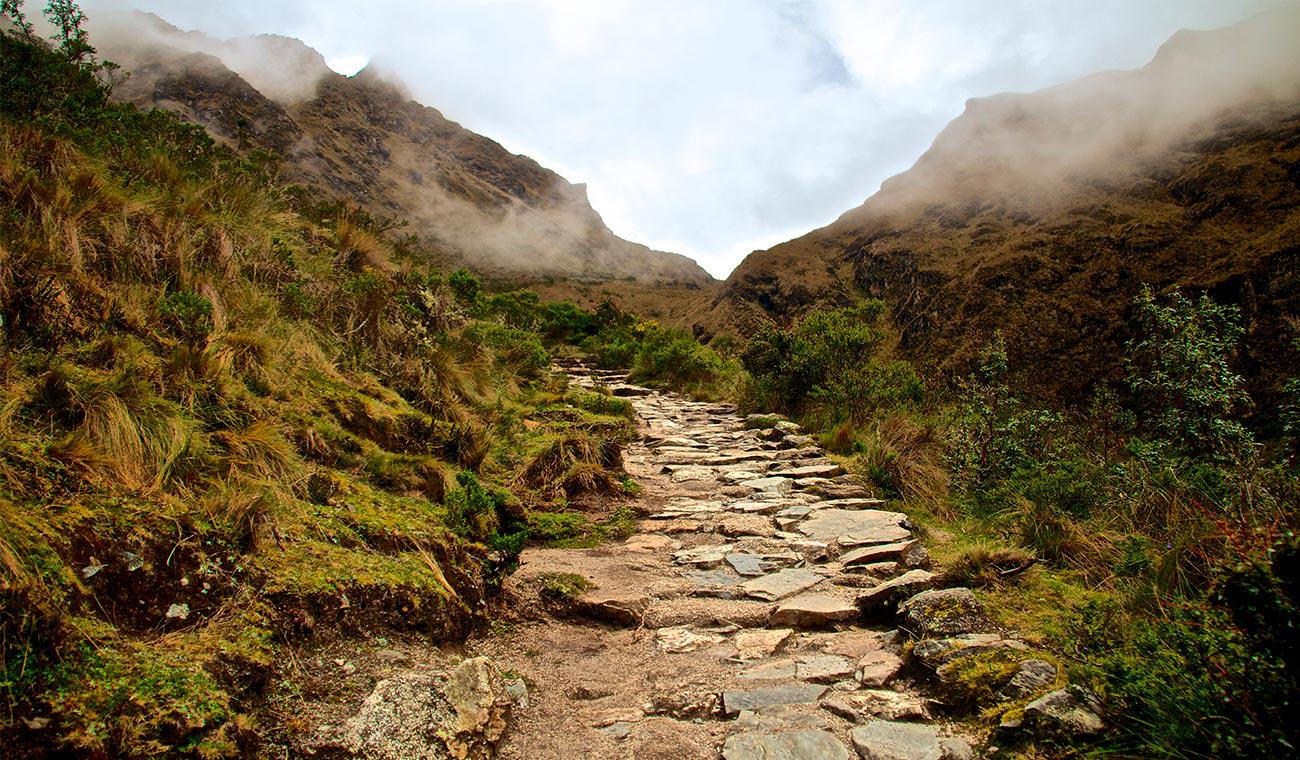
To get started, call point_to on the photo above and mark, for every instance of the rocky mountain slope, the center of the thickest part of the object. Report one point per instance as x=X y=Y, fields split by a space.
x=1043 y=214
x=363 y=139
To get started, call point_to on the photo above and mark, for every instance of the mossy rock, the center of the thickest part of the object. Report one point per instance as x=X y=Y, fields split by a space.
x=944 y=612
x=977 y=680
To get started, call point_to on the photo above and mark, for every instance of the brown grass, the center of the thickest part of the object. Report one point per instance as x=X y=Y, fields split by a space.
x=912 y=454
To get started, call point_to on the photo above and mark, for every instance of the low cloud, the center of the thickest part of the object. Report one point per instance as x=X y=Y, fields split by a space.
x=715 y=128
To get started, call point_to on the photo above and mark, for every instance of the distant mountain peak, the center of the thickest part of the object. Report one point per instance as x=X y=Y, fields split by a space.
x=363 y=138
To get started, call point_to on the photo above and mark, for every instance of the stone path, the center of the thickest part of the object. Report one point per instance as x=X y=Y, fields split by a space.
x=736 y=623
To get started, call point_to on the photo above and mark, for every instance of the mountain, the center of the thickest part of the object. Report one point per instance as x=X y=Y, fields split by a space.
x=1042 y=214
x=363 y=139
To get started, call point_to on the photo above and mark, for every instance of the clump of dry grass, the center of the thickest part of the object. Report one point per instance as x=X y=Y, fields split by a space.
x=574 y=464
x=258 y=451
x=985 y=565
x=909 y=456
x=119 y=428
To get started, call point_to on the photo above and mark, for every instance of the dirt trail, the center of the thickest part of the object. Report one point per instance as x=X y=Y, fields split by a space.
x=729 y=625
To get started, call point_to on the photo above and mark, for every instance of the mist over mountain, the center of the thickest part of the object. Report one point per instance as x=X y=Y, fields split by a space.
x=1042 y=214
x=362 y=139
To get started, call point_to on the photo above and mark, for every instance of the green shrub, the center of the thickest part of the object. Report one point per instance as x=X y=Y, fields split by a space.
x=1188 y=685
x=518 y=349
x=995 y=433
x=465 y=286
x=1180 y=372
x=187 y=315
x=826 y=368
x=676 y=360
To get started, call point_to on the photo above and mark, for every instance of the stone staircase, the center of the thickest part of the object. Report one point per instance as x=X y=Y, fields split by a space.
x=772 y=606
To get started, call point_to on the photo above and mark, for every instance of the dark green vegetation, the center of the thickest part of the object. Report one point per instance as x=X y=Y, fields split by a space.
x=1146 y=537
x=234 y=417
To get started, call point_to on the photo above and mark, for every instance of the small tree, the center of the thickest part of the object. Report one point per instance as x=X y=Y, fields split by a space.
x=13 y=10
x=1180 y=370
x=996 y=433
x=69 y=32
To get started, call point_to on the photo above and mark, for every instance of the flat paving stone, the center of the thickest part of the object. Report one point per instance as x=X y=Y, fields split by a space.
x=890 y=740
x=746 y=525
x=789 y=745
x=694 y=473
x=750 y=565
x=823 y=668
x=832 y=524
x=878 y=553
x=781 y=584
x=706 y=557
x=861 y=706
x=769 y=485
x=759 y=643
x=809 y=471
x=813 y=610
x=780 y=670
x=733 y=702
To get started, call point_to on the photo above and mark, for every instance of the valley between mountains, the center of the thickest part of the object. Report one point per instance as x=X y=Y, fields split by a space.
x=332 y=429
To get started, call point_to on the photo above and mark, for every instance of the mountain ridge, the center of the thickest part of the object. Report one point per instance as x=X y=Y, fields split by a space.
x=363 y=139
x=1041 y=215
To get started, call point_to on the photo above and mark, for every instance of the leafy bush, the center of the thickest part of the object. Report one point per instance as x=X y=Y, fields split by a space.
x=995 y=433
x=465 y=286
x=826 y=368
x=188 y=315
x=518 y=349
x=674 y=359
x=1181 y=375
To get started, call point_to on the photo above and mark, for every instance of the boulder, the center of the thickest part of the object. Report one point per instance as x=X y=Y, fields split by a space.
x=1033 y=677
x=943 y=612
x=1064 y=713
x=420 y=715
x=934 y=653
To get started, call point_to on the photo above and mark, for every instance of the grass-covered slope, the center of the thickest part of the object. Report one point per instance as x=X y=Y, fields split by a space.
x=232 y=417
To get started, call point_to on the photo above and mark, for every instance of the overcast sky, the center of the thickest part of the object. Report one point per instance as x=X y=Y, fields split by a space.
x=714 y=127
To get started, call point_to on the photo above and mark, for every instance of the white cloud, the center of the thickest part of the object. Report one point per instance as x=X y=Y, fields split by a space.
x=715 y=127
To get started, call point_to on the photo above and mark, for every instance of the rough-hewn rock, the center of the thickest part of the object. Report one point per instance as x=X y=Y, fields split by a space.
x=1033 y=676
x=878 y=668
x=1063 y=713
x=883 y=599
x=419 y=715
x=944 y=612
